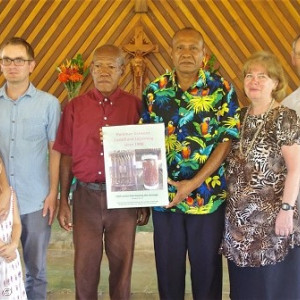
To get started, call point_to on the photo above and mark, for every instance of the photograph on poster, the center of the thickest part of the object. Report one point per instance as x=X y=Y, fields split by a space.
x=132 y=170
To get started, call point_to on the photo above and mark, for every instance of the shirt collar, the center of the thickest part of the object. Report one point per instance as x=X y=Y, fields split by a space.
x=112 y=99
x=201 y=80
x=29 y=92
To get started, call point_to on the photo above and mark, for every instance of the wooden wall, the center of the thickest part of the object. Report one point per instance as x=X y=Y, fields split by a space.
x=232 y=29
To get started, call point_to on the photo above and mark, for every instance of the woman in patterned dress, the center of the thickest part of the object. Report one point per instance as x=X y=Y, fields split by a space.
x=11 y=279
x=262 y=227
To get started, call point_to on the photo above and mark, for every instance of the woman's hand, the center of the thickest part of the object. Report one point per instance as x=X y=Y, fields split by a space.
x=8 y=252
x=284 y=223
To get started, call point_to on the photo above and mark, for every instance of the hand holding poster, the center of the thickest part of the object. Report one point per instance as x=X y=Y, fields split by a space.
x=135 y=165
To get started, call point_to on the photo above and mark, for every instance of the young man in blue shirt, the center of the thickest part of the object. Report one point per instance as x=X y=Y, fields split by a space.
x=29 y=121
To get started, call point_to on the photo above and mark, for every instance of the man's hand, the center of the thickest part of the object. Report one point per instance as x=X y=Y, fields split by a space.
x=184 y=188
x=64 y=216
x=143 y=215
x=50 y=207
x=101 y=135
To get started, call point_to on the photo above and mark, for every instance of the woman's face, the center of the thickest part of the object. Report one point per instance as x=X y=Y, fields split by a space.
x=258 y=86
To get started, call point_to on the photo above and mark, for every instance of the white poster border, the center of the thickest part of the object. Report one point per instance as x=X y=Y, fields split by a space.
x=135 y=165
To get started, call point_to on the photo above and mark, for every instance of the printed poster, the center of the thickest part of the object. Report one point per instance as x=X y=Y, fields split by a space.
x=135 y=165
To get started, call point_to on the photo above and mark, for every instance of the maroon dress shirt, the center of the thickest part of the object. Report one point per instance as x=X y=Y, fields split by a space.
x=78 y=132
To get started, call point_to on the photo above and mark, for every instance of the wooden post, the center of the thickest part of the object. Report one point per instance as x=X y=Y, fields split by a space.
x=141 y=6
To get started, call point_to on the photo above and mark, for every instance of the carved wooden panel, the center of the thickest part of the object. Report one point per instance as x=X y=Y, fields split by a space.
x=232 y=29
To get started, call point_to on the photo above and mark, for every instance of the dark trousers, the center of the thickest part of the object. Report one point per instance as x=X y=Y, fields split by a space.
x=93 y=225
x=272 y=282
x=198 y=236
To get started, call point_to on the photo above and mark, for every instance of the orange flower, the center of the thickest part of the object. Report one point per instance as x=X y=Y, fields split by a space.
x=75 y=77
x=63 y=77
x=72 y=74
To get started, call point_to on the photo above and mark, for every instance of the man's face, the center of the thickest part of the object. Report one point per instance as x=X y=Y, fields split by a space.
x=106 y=71
x=20 y=73
x=296 y=57
x=187 y=52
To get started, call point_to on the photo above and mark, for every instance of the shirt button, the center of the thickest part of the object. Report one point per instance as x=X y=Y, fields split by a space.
x=100 y=102
x=105 y=99
x=183 y=97
x=105 y=118
x=11 y=174
x=101 y=154
x=12 y=140
x=99 y=172
x=180 y=130
x=13 y=121
x=11 y=157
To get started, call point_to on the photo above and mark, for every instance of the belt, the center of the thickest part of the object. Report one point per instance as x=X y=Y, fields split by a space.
x=93 y=185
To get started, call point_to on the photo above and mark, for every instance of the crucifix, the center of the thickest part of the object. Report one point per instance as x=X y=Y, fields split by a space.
x=138 y=48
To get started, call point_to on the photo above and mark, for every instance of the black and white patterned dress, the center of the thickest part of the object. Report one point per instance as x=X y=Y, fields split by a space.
x=255 y=190
x=11 y=279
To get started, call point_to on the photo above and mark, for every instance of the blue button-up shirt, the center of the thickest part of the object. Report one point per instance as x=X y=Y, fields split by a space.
x=27 y=125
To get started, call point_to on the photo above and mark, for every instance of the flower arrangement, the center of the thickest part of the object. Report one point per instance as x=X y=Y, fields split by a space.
x=72 y=74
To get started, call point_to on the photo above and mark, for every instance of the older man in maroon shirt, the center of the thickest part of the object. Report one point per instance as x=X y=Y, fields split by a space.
x=82 y=156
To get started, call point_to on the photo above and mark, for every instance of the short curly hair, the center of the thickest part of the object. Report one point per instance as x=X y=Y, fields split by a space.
x=273 y=68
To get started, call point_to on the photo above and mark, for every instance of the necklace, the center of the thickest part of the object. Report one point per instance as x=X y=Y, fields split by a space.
x=259 y=128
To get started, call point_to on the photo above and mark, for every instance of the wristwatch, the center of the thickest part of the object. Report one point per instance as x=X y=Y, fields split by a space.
x=286 y=206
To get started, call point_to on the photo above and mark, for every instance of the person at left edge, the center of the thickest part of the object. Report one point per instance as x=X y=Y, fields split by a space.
x=95 y=226
x=29 y=120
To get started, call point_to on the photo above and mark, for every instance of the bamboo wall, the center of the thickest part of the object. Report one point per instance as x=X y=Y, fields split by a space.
x=232 y=29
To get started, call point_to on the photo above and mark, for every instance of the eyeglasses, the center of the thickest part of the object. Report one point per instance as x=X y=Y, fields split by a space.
x=17 y=61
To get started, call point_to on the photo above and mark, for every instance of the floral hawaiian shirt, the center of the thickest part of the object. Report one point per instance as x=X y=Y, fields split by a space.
x=196 y=121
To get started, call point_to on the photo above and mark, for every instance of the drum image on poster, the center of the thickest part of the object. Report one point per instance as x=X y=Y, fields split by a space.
x=132 y=170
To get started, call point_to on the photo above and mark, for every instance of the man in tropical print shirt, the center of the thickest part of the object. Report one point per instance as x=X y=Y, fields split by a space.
x=201 y=116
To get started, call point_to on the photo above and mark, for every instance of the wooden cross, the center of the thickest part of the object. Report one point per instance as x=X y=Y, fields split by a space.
x=139 y=48
x=139 y=43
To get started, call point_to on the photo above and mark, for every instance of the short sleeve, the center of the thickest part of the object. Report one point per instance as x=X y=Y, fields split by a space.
x=54 y=118
x=288 y=127
x=63 y=142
